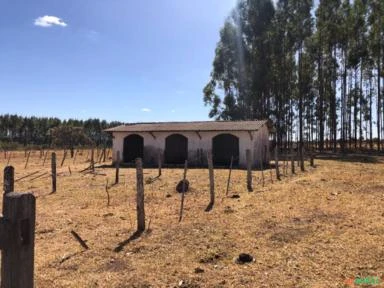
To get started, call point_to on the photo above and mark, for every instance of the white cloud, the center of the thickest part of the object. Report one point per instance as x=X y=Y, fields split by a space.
x=49 y=21
x=147 y=110
x=173 y=110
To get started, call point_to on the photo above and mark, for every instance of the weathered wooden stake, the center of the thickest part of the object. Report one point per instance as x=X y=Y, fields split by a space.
x=262 y=167
x=211 y=182
x=45 y=158
x=9 y=179
x=229 y=176
x=74 y=157
x=26 y=163
x=292 y=161
x=64 y=156
x=107 y=191
x=312 y=160
x=93 y=160
x=104 y=154
x=17 y=240
x=9 y=157
x=183 y=191
x=249 y=170
x=140 y=196
x=277 y=163
x=117 y=165
x=69 y=169
x=159 y=161
x=53 y=171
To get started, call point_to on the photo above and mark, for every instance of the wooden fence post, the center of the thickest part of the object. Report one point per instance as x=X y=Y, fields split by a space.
x=26 y=163
x=262 y=167
x=292 y=161
x=17 y=240
x=93 y=160
x=183 y=190
x=117 y=165
x=9 y=179
x=53 y=171
x=9 y=157
x=211 y=182
x=159 y=161
x=140 y=196
x=312 y=160
x=64 y=156
x=249 y=170
x=229 y=176
x=277 y=163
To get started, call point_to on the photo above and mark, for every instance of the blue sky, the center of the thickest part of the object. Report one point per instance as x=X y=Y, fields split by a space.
x=123 y=60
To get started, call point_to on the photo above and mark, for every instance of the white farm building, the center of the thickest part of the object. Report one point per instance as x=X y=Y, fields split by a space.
x=178 y=141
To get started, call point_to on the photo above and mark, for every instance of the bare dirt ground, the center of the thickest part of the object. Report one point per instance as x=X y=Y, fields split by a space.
x=317 y=228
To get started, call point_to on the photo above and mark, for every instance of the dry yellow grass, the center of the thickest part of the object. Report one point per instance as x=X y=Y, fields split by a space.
x=315 y=229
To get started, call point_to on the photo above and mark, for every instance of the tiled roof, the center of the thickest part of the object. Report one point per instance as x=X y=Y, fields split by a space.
x=191 y=126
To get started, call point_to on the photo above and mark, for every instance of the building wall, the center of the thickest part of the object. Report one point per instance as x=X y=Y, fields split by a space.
x=197 y=147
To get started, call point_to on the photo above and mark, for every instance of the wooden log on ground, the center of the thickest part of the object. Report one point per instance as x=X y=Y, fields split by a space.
x=140 y=196
x=81 y=241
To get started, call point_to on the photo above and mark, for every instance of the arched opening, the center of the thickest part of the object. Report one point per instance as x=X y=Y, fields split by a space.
x=133 y=148
x=176 y=149
x=224 y=146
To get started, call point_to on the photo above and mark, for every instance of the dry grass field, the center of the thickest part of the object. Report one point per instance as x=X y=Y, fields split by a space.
x=315 y=229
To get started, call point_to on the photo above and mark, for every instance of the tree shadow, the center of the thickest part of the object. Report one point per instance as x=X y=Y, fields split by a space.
x=351 y=157
x=121 y=245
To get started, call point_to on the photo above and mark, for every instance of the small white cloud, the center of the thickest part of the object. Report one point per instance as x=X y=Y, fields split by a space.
x=173 y=110
x=49 y=21
x=147 y=110
x=93 y=35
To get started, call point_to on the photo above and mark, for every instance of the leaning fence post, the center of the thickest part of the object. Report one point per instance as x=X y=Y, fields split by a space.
x=117 y=166
x=26 y=163
x=17 y=240
x=249 y=170
x=9 y=179
x=140 y=196
x=211 y=182
x=53 y=171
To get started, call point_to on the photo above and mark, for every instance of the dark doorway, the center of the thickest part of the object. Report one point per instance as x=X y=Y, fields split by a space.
x=224 y=146
x=133 y=148
x=176 y=149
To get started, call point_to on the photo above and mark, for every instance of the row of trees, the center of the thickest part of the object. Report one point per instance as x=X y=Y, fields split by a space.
x=44 y=132
x=317 y=72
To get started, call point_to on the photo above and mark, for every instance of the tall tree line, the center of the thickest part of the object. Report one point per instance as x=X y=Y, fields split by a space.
x=317 y=72
x=19 y=130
